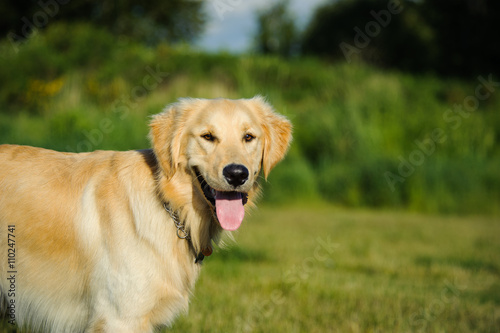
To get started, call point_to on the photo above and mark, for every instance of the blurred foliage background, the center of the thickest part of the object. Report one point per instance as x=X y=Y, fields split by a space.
x=402 y=116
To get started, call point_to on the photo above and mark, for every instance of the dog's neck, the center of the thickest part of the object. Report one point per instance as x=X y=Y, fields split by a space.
x=191 y=211
x=189 y=207
x=182 y=233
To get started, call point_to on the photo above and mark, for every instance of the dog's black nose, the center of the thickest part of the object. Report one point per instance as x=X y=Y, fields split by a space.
x=235 y=174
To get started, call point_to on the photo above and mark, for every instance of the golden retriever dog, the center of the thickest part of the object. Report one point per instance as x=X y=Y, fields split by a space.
x=112 y=241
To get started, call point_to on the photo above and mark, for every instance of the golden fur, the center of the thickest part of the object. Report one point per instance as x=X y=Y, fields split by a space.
x=95 y=249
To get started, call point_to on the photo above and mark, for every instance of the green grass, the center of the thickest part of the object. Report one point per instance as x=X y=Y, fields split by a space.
x=326 y=269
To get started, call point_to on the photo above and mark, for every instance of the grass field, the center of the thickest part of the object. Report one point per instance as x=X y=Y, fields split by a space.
x=325 y=269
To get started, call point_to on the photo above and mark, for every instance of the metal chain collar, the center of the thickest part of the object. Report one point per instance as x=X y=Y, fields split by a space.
x=177 y=223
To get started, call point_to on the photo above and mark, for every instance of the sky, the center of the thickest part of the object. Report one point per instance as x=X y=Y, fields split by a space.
x=232 y=23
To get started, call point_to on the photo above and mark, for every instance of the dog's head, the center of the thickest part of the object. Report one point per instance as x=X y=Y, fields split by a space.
x=222 y=145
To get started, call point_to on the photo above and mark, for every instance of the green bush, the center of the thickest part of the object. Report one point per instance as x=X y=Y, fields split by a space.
x=353 y=124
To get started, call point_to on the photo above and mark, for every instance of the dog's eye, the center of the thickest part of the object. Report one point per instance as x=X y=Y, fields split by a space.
x=208 y=137
x=248 y=137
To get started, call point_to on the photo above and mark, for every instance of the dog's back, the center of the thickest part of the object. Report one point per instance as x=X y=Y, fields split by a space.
x=38 y=199
x=62 y=216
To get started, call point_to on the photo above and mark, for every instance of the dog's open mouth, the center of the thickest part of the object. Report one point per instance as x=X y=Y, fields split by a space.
x=228 y=204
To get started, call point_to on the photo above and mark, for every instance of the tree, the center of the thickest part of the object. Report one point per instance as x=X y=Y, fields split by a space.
x=386 y=33
x=149 y=21
x=450 y=37
x=276 y=32
x=467 y=35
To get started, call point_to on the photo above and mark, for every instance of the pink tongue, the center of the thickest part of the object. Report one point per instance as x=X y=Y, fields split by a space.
x=230 y=211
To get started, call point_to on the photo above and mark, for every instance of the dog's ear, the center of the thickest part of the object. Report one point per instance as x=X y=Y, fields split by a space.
x=277 y=135
x=166 y=134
